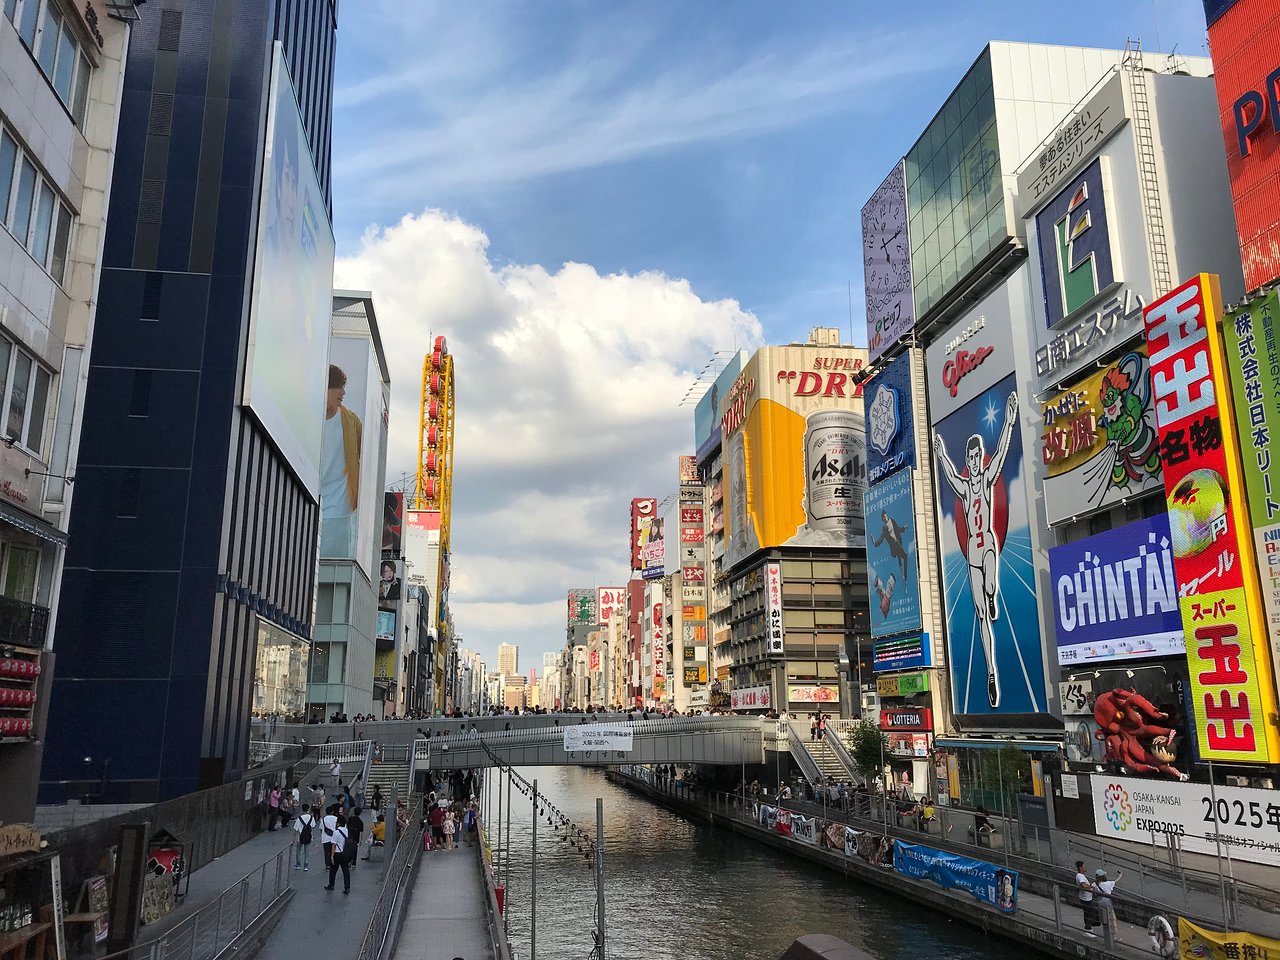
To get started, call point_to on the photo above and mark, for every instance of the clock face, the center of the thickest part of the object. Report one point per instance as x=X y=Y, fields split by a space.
x=886 y=262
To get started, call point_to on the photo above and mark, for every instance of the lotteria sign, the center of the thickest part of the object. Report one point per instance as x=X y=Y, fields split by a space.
x=1213 y=557
x=1115 y=595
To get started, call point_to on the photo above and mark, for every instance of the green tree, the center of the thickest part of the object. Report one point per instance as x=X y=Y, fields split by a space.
x=868 y=746
x=1006 y=772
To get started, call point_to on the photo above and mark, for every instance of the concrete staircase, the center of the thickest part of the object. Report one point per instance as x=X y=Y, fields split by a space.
x=828 y=762
x=387 y=773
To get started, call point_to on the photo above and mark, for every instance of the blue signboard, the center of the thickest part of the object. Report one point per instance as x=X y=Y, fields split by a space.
x=891 y=435
x=902 y=653
x=706 y=415
x=988 y=569
x=1115 y=595
x=386 y=625
x=985 y=881
x=893 y=576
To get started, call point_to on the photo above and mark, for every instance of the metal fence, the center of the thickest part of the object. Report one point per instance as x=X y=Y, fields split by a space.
x=383 y=920
x=210 y=930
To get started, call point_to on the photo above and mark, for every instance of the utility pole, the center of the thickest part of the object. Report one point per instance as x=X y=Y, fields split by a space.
x=600 y=873
x=533 y=882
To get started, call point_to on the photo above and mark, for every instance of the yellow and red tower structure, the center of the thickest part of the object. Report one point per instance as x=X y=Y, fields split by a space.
x=434 y=488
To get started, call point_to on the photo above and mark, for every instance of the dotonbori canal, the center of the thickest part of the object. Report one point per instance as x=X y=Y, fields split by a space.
x=679 y=889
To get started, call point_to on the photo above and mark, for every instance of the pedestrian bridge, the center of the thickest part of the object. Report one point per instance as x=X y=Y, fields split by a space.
x=720 y=740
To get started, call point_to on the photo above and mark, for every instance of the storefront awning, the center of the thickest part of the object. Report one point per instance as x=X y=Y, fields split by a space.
x=1032 y=746
x=24 y=521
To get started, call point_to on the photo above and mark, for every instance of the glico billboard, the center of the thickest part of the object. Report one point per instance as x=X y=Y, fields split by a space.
x=1244 y=37
x=795 y=451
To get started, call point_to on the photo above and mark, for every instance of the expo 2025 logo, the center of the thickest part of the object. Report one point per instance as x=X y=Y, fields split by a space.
x=1116 y=806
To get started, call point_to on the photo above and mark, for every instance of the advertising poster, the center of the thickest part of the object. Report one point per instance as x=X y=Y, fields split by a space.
x=1244 y=39
x=658 y=646
x=689 y=470
x=1115 y=595
x=1253 y=360
x=1074 y=238
x=750 y=698
x=995 y=655
x=390 y=579
x=292 y=289
x=598 y=736
x=653 y=549
x=582 y=606
x=1099 y=443
x=386 y=625
x=893 y=577
x=643 y=510
x=902 y=653
x=891 y=428
x=706 y=415
x=610 y=600
x=349 y=491
x=886 y=263
x=813 y=693
x=1222 y=615
x=392 y=523
x=984 y=881
x=1201 y=943
x=1243 y=819
x=775 y=637
x=795 y=451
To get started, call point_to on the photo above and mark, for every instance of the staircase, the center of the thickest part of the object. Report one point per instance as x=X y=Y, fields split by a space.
x=818 y=757
x=828 y=762
x=387 y=773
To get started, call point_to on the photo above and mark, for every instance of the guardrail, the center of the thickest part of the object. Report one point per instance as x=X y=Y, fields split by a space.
x=215 y=926
x=384 y=920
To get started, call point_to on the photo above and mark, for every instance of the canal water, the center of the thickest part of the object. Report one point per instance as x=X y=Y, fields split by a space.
x=678 y=889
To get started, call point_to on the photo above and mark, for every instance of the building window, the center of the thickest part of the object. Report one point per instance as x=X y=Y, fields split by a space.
x=21 y=564
x=24 y=394
x=31 y=209
x=52 y=41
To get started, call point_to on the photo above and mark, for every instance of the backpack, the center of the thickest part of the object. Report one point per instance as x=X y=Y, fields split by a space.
x=305 y=836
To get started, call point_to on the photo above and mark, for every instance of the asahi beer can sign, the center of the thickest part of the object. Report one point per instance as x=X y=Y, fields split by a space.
x=835 y=465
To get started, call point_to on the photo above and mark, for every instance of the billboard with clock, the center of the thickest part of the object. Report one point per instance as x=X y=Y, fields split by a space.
x=886 y=264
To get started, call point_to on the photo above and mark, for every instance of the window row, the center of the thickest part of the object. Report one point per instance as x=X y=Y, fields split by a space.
x=31 y=210
x=51 y=38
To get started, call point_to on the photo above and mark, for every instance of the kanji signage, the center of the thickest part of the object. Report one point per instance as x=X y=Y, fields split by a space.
x=1214 y=565
x=609 y=600
x=1253 y=358
x=775 y=637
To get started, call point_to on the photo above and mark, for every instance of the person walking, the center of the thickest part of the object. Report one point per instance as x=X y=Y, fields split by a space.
x=822 y=727
x=436 y=819
x=274 y=803
x=335 y=774
x=339 y=861
x=450 y=826
x=813 y=726
x=469 y=822
x=355 y=827
x=304 y=826
x=328 y=824
x=1088 y=908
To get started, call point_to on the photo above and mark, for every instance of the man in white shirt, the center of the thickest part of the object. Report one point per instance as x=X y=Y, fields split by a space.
x=335 y=773
x=328 y=826
x=302 y=853
x=339 y=857
x=1084 y=887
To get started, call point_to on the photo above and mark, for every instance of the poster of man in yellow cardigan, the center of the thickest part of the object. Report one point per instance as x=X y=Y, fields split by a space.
x=1197 y=943
x=349 y=498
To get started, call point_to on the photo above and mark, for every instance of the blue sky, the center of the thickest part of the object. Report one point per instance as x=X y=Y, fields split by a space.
x=710 y=158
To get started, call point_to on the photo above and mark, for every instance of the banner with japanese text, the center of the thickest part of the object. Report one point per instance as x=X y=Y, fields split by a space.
x=1204 y=944
x=1214 y=565
x=1253 y=358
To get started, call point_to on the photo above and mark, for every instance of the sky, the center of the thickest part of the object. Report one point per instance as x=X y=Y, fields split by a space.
x=589 y=199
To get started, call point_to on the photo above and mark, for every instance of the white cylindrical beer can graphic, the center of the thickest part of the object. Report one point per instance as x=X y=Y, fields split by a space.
x=835 y=467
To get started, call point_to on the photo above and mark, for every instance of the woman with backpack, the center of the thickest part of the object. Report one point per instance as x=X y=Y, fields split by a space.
x=304 y=826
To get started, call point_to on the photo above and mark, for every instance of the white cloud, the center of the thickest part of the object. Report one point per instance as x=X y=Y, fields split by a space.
x=567 y=385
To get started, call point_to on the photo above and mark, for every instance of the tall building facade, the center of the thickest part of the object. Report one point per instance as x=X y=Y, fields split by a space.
x=508 y=659
x=61 y=69
x=195 y=527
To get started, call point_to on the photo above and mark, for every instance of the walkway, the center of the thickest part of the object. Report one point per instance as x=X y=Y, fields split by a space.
x=446 y=916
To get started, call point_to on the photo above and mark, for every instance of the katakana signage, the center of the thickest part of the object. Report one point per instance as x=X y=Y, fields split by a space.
x=1222 y=617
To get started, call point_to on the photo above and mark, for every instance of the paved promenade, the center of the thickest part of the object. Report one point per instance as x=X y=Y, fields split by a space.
x=446 y=917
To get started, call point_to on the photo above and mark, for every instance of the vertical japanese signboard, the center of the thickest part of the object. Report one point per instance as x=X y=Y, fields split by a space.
x=1253 y=357
x=775 y=636
x=609 y=600
x=659 y=634
x=643 y=510
x=1213 y=563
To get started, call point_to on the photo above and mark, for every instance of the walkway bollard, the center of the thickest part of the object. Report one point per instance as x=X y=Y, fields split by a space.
x=1057 y=908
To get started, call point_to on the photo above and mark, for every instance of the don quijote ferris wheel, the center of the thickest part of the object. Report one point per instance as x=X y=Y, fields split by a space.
x=435 y=441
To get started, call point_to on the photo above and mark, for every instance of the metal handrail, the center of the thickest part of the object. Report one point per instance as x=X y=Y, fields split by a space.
x=800 y=751
x=404 y=859
x=209 y=931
